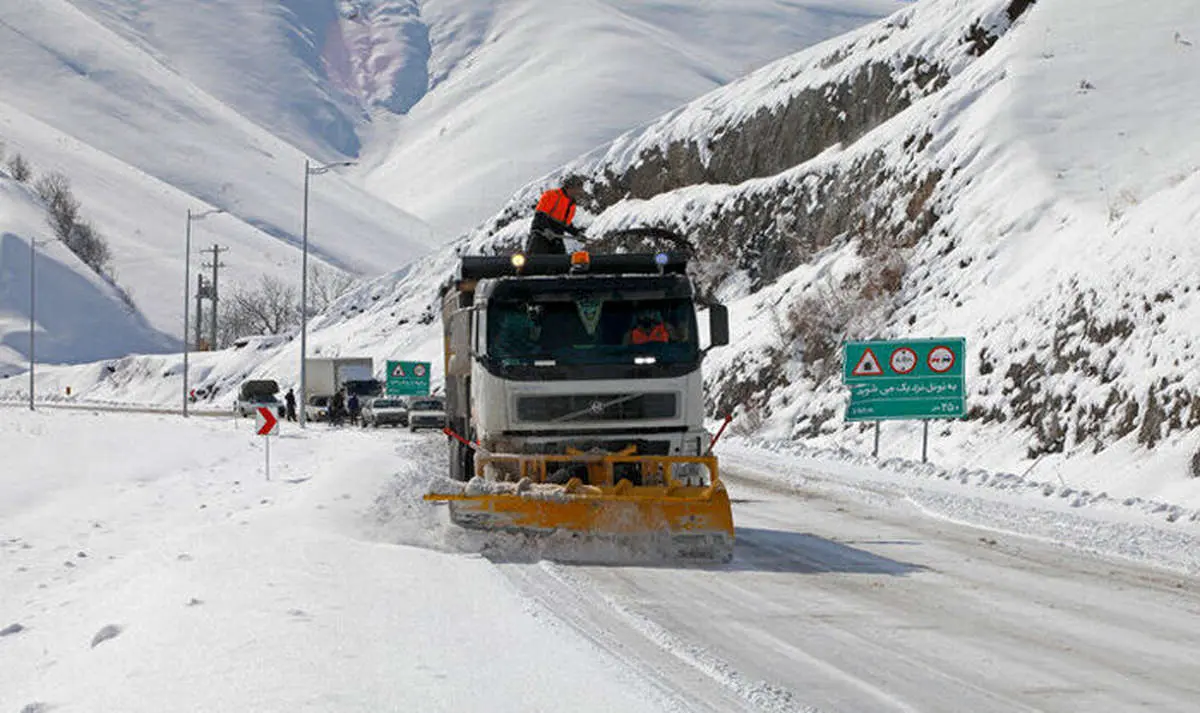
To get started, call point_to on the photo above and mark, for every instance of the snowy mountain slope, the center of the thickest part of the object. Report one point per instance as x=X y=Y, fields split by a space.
x=77 y=98
x=144 y=218
x=74 y=75
x=517 y=88
x=456 y=103
x=272 y=62
x=64 y=332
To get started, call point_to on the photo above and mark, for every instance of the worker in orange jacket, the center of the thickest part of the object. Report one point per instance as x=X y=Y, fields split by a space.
x=649 y=328
x=552 y=220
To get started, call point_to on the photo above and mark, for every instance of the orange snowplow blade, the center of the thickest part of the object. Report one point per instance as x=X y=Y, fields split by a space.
x=693 y=517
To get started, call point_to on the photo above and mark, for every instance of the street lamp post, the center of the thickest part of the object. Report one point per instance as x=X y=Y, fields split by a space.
x=309 y=170
x=187 y=272
x=32 y=312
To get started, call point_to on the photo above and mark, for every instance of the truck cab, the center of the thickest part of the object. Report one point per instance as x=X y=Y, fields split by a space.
x=581 y=353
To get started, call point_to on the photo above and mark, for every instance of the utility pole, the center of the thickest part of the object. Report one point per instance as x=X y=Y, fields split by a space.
x=201 y=295
x=216 y=266
x=187 y=276
x=32 y=312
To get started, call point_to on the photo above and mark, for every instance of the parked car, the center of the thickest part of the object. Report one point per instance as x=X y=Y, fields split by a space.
x=317 y=409
x=255 y=394
x=385 y=411
x=426 y=412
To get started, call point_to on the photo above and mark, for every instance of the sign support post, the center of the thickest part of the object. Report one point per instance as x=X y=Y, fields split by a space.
x=925 y=443
x=875 y=453
x=267 y=424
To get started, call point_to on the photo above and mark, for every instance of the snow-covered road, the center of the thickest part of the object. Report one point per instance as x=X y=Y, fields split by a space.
x=334 y=587
x=856 y=600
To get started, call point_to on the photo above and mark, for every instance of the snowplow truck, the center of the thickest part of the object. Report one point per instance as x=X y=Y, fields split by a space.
x=574 y=401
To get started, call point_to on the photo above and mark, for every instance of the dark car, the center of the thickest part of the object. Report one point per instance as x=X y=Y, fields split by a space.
x=255 y=394
x=426 y=412
x=385 y=411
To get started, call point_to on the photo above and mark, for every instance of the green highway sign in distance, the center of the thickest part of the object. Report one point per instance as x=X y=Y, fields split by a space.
x=408 y=378
x=906 y=379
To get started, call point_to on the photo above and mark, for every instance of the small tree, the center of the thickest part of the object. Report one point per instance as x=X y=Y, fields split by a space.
x=62 y=208
x=19 y=168
x=269 y=308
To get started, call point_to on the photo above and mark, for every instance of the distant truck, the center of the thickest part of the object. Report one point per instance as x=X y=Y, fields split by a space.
x=356 y=375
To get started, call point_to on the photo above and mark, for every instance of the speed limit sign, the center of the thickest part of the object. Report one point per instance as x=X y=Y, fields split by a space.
x=903 y=360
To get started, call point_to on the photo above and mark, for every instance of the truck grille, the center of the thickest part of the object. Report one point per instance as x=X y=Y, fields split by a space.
x=570 y=408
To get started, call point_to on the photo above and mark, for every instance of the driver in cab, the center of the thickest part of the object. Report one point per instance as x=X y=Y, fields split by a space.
x=649 y=328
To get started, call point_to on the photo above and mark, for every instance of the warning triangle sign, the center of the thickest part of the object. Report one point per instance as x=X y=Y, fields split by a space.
x=868 y=365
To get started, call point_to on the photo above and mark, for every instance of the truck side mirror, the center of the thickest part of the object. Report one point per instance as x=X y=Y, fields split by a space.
x=460 y=343
x=459 y=364
x=718 y=325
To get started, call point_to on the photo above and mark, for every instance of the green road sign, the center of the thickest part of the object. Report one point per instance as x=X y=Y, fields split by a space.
x=909 y=379
x=408 y=378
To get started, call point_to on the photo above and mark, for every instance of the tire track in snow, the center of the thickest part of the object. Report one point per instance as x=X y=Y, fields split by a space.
x=758 y=696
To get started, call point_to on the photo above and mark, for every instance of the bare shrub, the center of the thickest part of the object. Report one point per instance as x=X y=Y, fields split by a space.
x=1196 y=464
x=62 y=212
x=883 y=276
x=817 y=323
x=62 y=208
x=1152 y=420
x=19 y=168
x=325 y=286
x=269 y=308
x=92 y=249
x=829 y=314
x=52 y=186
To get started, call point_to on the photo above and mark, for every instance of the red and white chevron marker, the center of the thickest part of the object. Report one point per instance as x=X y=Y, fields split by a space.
x=268 y=424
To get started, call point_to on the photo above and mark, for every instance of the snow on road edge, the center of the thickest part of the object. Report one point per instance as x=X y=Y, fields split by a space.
x=1146 y=531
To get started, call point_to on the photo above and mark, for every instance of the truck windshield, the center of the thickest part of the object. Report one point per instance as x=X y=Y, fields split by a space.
x=364 y=387
x=592 y=331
